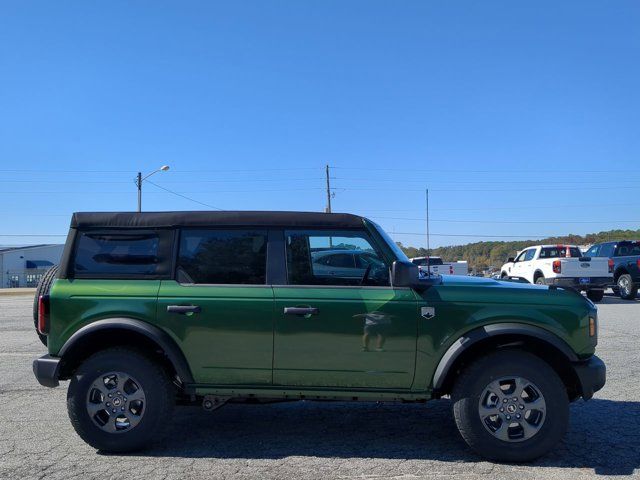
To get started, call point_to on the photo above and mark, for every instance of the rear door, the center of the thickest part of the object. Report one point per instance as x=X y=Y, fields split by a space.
x=349 y=331
x=219 y=306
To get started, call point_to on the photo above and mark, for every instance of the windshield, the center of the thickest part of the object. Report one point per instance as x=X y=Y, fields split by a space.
x=396 y=249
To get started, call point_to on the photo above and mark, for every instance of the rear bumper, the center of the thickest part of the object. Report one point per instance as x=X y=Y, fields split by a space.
x=47 y=370
x=592 y=375
x=574 y=282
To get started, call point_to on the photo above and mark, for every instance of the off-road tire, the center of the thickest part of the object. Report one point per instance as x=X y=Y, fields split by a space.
x=43 y=289
x=595 y=295
x=159 y=399
x=466 y=400
x=626 y=288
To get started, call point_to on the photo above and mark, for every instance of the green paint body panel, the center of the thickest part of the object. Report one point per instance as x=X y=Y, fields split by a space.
x=242 y=341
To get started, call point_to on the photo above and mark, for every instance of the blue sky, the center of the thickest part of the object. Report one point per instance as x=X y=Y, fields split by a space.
x=522 y=118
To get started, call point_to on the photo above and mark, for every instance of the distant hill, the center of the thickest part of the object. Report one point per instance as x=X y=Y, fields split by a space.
x=481 y=255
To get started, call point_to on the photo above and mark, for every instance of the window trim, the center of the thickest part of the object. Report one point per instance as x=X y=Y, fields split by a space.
x=366 y=235
x=165 y=241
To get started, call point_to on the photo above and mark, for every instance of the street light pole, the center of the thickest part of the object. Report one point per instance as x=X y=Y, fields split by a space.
x=140 y=179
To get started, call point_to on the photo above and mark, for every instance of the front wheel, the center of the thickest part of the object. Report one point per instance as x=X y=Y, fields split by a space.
x=510 y=406
x=119 y=399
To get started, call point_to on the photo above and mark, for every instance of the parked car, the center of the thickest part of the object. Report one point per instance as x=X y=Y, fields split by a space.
x=436 y=266
x=562 y=266
x=150 y=309
x=624 y=258
x=346 y=263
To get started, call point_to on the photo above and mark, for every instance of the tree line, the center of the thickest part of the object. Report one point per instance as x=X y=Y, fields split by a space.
x=484 y=255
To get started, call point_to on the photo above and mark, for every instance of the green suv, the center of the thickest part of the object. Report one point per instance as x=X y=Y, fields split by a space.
x=153 y=309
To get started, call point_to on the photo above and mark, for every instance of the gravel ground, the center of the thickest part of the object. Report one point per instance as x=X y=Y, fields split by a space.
x=312 y=440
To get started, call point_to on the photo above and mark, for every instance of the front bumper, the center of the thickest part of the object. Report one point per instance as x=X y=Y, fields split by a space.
x=574 y=282
x=47 y=370
x=592 y=375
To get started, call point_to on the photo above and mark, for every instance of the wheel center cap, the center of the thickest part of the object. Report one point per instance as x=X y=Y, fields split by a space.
x=116 y=402
x=510 y=408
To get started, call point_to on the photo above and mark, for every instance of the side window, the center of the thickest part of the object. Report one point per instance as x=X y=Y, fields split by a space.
x=520 y=258
x=593 y=251
x=105 y=254
x=607 y=250
x=334 y=258
x=222 y=257
x=529 y=255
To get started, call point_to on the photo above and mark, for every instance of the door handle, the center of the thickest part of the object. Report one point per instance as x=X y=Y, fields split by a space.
x=301 y=311
x=183 y=309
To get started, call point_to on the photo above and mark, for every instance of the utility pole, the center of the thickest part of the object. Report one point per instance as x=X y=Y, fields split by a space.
x=428 y=243
x=139 y=183
x=328 y=210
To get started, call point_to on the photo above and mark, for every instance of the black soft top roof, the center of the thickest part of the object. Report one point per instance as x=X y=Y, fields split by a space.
x=84 y=220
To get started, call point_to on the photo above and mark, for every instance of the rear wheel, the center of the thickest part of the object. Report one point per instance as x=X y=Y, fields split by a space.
x=119 y=400
x=595 y=295
x=627 y=289
x=540 y=280
x=510 y=406
x=43 y=289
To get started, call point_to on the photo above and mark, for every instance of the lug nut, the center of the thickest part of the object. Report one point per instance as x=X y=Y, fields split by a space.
x=518 y=415
x=508 y=417
x=501 y=409
x=515 y=399
x=123 y=410
x=109 y=395
x=504 y=401
x=521 y=407
x=108 y=404
x=125 y=399
x=114 y=410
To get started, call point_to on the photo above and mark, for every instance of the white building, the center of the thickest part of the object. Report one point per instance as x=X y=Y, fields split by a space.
x=23 y=266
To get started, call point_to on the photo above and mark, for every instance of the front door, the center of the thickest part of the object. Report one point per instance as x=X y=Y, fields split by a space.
x=339 y=322
x=219 y=307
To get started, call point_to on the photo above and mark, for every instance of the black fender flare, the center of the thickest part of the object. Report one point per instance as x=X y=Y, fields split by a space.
x=493 y=330
x=153 y=333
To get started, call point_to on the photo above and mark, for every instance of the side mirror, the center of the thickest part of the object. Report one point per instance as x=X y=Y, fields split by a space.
x=510 y=260
x=408 y=275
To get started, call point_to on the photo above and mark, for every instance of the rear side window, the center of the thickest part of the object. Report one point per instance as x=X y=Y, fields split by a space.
x=560 y=252
x=222 y=257
x=118 y=255
x=628 y=249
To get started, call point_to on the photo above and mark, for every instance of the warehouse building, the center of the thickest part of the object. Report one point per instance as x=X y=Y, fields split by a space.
x=24 y=266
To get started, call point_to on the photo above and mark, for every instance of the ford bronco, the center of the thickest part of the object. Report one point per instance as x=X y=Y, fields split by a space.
x=149 y=310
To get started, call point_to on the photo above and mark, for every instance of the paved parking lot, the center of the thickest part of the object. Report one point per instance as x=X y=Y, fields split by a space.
x=312 y=440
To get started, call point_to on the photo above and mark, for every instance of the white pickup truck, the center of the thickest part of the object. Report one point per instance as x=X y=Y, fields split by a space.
x=437 y=267
x=563 y=266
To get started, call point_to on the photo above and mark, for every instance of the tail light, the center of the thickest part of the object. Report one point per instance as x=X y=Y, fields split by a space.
x=557 y=266
x=638 y=263
x=611 y=264
x=43 y=314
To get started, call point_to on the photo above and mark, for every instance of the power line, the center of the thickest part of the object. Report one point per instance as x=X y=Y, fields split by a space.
x=561 y=222
x=183 y=196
